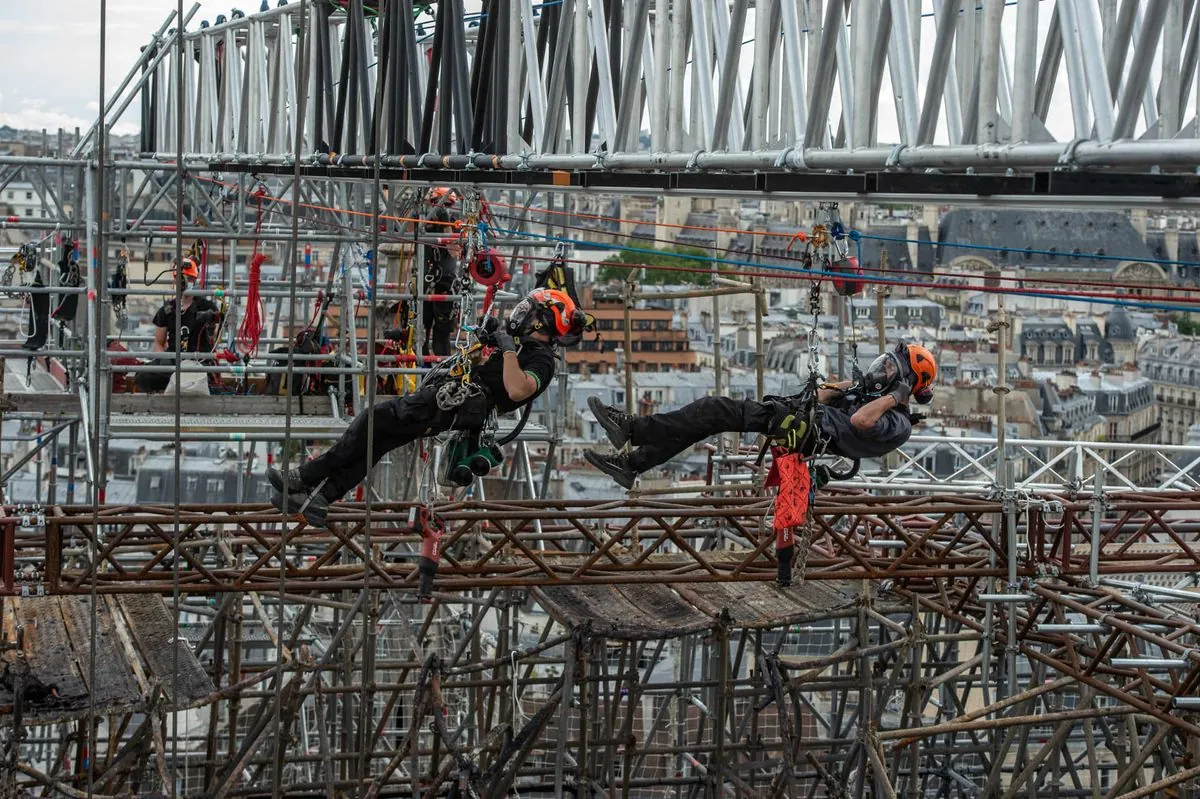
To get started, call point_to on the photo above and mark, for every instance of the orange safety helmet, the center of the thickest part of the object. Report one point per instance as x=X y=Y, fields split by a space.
x=442 y=195
x=548 y=310
x=924 y=367
x=189 y=269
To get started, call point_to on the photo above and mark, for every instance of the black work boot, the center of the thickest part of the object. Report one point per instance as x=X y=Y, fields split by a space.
x=289 y=482
x=312 y=507
x=616 y=423
x=615 y=466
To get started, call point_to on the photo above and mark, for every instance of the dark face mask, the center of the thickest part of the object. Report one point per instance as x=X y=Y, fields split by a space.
x=882 y=375
x=521 y=318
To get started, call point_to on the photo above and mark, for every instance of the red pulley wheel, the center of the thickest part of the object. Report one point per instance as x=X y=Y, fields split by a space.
x=488 y=268
x=847 y=286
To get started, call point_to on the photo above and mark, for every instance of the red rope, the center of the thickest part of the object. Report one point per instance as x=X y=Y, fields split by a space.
x=203 y=248
x=251 y=328
x=252 y=323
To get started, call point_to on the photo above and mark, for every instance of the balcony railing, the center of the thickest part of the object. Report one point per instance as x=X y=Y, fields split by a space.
x=1036 y=465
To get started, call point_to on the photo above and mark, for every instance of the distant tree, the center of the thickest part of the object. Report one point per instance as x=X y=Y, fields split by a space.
x=1187 y=326
x=681 y=266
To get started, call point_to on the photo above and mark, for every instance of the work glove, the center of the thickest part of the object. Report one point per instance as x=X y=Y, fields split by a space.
x=486 y=330
x=205 y=317
x=790 y=432
x=503 y=341
x=924 y=396
x=901 y=392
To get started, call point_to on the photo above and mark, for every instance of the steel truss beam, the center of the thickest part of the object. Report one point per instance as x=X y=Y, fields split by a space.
x=515 y=86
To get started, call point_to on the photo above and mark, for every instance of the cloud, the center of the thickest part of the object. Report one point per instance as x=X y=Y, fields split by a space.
x=33 y=114
x=51 y=66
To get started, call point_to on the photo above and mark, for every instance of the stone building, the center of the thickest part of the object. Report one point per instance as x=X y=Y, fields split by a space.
x=659 y=335
x=1174 y=367
x=1065 y=340
x=1126 y=400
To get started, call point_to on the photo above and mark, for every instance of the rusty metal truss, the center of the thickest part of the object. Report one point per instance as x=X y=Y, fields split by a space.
x=937 y=646
x=523 y=543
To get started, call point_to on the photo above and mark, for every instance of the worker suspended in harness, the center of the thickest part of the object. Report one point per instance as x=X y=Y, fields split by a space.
x=516 y=374
x=852 y=419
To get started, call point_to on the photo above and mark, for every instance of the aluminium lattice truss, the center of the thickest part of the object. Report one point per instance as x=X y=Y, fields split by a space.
x=738 y=85
x=940 y=646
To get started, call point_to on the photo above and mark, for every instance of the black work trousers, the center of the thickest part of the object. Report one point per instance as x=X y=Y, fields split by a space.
x=440 y=325
x=660 y=437
x=152 y=382
x=398 y=421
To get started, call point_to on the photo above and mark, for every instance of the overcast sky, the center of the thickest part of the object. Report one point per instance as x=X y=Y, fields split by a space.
x=52 y=52
x=52 y=49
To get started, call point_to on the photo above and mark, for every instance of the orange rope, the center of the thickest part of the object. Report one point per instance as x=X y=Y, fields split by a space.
x=784 y=274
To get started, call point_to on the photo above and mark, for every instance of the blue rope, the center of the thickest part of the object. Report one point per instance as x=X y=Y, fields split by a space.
x=811 y=273
x=1024 y=250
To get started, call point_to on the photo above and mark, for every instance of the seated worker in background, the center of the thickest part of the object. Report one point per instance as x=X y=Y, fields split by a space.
x=866 y=420
x=195 y=334
x=441 y=274
x=512 y=377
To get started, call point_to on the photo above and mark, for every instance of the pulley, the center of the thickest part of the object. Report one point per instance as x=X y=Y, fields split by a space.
x=488 y=268
x=847 y=276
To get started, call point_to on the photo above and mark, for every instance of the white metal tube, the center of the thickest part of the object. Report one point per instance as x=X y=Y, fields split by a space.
x=658 y=97
x=1024 y=69
x=1169 y=593
x=1134 y=89
x=1150 y=664
x=1087 y=22
x=860 y=129
x=1076 y=82
x=795 y=70
x=761 y=75
x=580 y=141
x=907 y=69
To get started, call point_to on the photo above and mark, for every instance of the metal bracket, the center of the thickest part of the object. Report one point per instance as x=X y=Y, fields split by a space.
x=1068 y=155
x=893 y=158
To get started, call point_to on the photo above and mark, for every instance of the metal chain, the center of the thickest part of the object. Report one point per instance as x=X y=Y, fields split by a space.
x=24 y=260
x=814 y=307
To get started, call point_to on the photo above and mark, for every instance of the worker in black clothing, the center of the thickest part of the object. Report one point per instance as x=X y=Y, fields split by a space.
x=197 y=319
x=441 y=274
x=866 y=420
x=513 y=376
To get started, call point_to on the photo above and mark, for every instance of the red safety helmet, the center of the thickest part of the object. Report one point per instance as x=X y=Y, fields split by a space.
x=547 y=310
